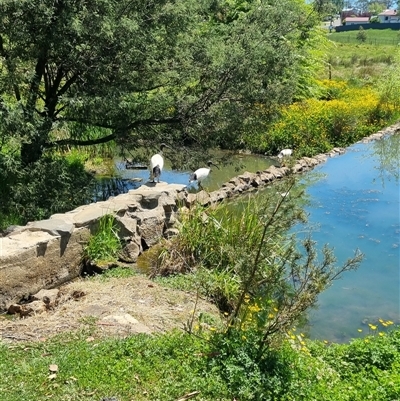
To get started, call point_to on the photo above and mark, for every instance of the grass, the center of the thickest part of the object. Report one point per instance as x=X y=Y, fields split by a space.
x=105 y=244
x=166 y=367
x=385 y=37
x=360 y=63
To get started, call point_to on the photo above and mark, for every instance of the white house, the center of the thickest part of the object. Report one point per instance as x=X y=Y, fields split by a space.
x=356 y=20
x=389 y=16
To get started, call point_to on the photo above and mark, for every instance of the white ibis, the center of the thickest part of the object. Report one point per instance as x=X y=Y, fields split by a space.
x=202 y=173
x=285 y=153
x=157 y=164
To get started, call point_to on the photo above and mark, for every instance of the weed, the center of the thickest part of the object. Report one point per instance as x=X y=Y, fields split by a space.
x=105 y=244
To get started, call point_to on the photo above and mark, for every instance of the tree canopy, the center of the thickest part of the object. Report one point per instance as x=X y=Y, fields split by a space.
x=182 y=71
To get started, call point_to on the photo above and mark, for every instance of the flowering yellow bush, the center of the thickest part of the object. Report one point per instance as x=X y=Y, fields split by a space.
x=340 y=117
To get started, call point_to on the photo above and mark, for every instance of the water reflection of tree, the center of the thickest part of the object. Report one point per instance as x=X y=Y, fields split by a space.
x=387 y=154
x=112 y=186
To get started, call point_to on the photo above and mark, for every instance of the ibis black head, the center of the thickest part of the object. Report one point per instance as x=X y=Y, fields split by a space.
x=210 y=163
x=164 y=145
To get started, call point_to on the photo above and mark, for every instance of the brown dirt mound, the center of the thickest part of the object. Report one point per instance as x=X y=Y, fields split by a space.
x=114 y=307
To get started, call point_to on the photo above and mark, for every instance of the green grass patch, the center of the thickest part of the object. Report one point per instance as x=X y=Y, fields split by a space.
x=105 y=244
x=360 y=63
x=377 y=37
x=168 y=366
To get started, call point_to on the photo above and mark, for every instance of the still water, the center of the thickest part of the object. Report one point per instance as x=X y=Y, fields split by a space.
x=129 y=179
x=355 y=204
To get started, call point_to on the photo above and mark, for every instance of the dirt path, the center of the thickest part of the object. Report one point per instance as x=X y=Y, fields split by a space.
x=112 y=307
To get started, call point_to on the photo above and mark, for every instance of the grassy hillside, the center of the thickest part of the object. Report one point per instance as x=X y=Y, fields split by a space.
x=360 y=62
x=378 y=37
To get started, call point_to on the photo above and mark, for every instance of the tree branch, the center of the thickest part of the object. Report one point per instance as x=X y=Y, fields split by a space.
x=77 y=142
x=67 y=85
x=108 y=138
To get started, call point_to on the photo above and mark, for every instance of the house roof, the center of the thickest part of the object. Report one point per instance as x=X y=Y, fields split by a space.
x=388 y=12
x=357 y=19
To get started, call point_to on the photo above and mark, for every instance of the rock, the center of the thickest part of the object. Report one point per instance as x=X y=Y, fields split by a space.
x=24 y=310
x=9 y=230
x=126 y=320
x=168 y=202
x=49 y=297
x=52 y=226
x=127 y=226
x=151 y=225
x=171 y=232
x=36 y=307
x=203 y=198
x=130 y=252
x=191 y=200
x=89 y=215
x=246 y=177
x=14 y=309
x=297 y=168
x=48 y=253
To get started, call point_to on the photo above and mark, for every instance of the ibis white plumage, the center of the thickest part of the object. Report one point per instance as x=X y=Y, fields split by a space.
x=285 y=153
x=157 y=164
x=202 y=173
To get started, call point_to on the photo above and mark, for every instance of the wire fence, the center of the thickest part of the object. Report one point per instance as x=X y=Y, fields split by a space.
x=371 y=41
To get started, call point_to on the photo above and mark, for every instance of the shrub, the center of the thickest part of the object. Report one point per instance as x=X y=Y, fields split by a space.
x=52 y=185
x=317 y=125
x=247 y=264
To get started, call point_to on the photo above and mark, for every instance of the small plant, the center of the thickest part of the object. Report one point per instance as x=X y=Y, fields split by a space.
x=361 y=35
x=105 y=244
x=248 y=265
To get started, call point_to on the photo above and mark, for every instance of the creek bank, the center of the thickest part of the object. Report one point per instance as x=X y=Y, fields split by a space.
x=46 y=254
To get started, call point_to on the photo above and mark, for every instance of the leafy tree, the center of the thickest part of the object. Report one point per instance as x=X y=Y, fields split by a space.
x=337 y=5
x=376 y=7
x=187 y=71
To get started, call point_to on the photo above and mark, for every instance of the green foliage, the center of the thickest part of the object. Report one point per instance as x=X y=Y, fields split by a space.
x=246 y=263
x=379 y=40
x=248 y=377
x=51 y=185
x=192 y=71
x=104 y=245
x=340 y=117
x=140 y=367
x=168 y=366
x=361 y=35
x=388 y=85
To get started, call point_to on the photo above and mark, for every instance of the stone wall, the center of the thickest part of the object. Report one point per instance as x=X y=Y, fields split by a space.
x=45 y=254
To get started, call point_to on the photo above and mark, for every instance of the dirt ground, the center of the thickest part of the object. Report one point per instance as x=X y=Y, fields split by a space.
x=113 y=307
